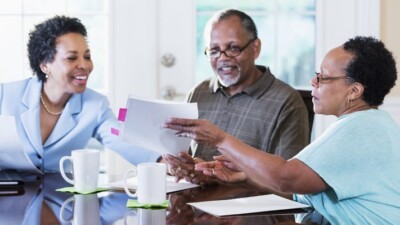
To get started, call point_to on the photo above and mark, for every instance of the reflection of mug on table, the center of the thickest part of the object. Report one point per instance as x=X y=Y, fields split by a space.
x=85 y=169
x=146 y=217
x=151 y=183
x=85 y=210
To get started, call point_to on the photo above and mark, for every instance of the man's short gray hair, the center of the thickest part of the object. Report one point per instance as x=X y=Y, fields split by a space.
x=246 y=21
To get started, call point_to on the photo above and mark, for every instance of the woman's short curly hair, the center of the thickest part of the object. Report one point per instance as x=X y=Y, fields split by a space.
x=42 y=40
x=373 y=66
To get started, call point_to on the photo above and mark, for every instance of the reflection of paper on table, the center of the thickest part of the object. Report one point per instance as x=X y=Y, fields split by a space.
x=172 y=186
x=12 y=154
x=246 y=205
x=143 y=121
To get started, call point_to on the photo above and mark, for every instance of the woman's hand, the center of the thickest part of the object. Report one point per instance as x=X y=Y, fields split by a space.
x=219 y=170
x=182 y=167
x=226 y=162
x=201 y=131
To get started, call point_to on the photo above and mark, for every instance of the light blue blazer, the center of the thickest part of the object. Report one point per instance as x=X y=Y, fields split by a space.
x=85 y=116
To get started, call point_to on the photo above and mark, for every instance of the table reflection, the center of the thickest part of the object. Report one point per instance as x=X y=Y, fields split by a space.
x=85 y=210
x=41 y=204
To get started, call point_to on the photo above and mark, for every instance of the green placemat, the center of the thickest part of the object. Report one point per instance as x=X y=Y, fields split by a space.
x=133 y=203
x=72 y=190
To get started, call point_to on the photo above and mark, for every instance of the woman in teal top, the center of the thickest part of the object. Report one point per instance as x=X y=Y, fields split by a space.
x=54 y=111
x=350 y=173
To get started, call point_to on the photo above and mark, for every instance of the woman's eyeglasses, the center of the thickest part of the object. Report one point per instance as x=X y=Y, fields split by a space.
x=321 y=79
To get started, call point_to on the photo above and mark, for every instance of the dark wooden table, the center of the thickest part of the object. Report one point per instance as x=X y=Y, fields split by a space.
x=39 y=203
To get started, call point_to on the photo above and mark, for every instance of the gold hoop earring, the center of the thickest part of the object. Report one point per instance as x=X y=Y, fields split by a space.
x=349 y=103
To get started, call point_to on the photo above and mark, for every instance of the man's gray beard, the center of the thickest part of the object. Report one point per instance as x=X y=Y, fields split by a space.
x=229 y=81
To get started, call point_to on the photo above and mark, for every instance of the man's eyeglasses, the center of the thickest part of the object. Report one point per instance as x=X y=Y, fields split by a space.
x=230 y=52
x=321 y=79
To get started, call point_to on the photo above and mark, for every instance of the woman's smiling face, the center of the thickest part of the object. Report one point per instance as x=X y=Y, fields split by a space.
x=72 y=64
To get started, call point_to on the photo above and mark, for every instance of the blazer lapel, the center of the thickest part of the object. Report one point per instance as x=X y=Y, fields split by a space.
x=66 y=122
x=31 y=117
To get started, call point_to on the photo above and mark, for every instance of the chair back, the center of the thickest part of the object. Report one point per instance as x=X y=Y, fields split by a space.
x=307 y=98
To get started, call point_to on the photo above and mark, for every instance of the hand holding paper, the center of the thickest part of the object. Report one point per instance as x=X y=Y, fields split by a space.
x=144 y=120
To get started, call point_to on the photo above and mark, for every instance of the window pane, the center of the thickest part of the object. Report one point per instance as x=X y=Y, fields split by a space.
x=97 y=40
x=296 y=5
x=86 y=7
x=93 y=14
x=267 y=35
x=44 y=6
x=11 y=49
x=290 y=53
x=295 y=49
x=10 y=7
x=203 y=68
x=212 y=5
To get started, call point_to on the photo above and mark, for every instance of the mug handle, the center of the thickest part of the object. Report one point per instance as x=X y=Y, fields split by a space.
x=64 y=158
x=127 y=214
x=63 y=209
x=130 y=194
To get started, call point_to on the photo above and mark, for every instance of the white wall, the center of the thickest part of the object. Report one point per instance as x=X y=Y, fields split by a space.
x=134 y=46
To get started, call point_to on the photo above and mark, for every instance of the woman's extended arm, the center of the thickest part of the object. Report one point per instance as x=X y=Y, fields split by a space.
x=263 y=169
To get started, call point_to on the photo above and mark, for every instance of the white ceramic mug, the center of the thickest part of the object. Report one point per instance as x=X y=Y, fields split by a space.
x=85 y=210
x=151 y=183
x=146 y=217
x=85 y=169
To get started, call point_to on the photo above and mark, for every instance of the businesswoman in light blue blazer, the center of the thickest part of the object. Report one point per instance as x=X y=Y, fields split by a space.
x=55 y=112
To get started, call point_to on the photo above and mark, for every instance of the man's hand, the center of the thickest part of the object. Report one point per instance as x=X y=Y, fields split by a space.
x=182 y=167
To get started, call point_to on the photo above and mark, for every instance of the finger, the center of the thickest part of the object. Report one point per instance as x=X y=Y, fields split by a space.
x=172 y=165
x=200 y=179
x=204 y=165
x=185 y=157
x=188 y=170
x=177 y=179
x=221 y=158
x=178 y=128
x=230 y=166
x=175 y=160
x=209 y=172
x=186 y=134
x=181 y=121
x=198 y=160
x=188 y=179
x=169 y=157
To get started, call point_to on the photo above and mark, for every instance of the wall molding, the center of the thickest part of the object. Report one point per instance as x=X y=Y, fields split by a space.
x=392 y=106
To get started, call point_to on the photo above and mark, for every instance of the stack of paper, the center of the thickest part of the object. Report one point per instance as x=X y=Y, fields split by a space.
x=256 y=204
x=142 y=124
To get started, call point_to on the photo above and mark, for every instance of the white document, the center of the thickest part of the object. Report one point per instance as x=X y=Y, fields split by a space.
x=143 y=125
x=12 y=154
x=172 y=186
x=256 y=204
